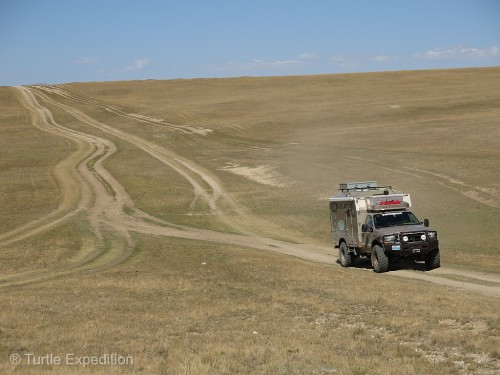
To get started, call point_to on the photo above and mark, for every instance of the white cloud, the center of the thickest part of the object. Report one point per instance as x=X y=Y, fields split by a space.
x=348 y=61
x=279 y=63
x=86 y=60
x=138 y=64
x=344 y=61
x=260 y=65
x=495 y=51
x=308 y=56
x=269 y=64
x=458 y=52
x=384 y=58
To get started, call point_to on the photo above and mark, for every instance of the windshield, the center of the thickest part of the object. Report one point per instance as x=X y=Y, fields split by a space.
x=395 y=219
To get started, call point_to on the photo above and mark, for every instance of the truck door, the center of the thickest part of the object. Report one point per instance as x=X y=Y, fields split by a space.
x=367 y=236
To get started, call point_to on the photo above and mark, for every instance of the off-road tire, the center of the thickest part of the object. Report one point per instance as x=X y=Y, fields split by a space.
x=433 y=260
x=380 y=261
x=345 y=257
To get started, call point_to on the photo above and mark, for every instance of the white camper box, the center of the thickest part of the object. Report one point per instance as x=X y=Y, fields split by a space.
x=349 y=208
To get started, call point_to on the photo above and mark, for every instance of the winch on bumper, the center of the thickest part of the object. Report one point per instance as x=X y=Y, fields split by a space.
x=410 y=244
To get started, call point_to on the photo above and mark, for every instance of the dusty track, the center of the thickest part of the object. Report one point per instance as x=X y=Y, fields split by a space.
x=86 y=187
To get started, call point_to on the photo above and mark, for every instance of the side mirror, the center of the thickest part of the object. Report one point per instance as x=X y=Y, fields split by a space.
x=426 y=222
x=366 y=228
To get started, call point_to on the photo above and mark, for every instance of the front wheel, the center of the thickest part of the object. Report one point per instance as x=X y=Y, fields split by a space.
x=433 y=260
x=380 y=261
x=345 y=257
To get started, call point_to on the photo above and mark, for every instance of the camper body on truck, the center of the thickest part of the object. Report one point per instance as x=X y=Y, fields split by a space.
x=376 y=221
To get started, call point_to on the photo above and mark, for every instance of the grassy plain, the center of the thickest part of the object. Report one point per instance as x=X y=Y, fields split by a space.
x=434 y=134
x=181 y=306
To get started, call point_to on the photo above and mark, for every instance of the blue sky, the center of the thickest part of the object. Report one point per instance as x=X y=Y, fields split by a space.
x=58 y=41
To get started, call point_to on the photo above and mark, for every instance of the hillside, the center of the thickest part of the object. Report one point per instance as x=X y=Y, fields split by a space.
x=434 y=134
x=153 y=219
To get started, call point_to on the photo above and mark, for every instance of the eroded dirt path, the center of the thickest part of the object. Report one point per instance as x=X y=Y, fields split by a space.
x=86 y=187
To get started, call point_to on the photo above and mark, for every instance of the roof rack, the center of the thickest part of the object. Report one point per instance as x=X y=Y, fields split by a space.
x=365 y=185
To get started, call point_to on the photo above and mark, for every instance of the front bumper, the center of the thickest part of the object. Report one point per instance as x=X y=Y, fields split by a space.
x=411 y=249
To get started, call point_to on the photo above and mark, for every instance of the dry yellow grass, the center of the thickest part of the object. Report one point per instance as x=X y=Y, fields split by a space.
x=434 y=134
x=180 y=306
x=27 y=158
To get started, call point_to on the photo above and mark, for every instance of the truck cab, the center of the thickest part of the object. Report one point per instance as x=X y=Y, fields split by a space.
x=399 y=234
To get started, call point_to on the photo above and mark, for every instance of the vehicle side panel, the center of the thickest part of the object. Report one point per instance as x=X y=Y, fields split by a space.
x=344 y=222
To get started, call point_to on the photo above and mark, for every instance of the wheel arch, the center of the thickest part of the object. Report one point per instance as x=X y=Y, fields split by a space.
x=339 y=242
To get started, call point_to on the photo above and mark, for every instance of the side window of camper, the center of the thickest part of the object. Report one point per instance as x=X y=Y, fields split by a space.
x=333 y=207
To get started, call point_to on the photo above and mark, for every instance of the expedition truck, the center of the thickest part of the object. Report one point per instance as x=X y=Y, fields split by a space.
x=375 y=221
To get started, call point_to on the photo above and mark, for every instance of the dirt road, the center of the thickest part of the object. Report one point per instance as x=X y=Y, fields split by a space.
x=87 y=188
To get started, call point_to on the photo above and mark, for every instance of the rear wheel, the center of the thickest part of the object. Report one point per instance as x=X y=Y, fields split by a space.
x=345 y=257
x=380 y=261
x=433 y=260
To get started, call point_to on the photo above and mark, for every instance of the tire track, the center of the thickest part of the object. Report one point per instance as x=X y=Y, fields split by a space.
x=82 y=189
x=205 y=186
x=102 y=198
x=186 y=129
x=75 y=191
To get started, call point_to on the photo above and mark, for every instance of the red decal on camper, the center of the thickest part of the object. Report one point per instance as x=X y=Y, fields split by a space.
x=387 y=203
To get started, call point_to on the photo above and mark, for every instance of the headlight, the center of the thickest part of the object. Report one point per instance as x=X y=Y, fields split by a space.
x=405 y=238
x=390 y=239
x=432 y=235
x=423 y=237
